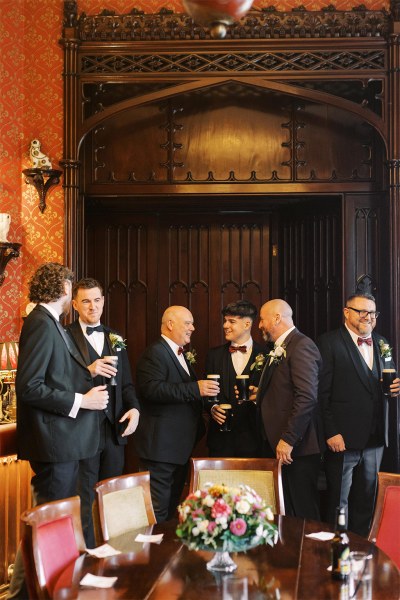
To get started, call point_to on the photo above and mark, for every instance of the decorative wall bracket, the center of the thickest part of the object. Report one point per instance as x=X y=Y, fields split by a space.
x=8 y=250
x=43 y=180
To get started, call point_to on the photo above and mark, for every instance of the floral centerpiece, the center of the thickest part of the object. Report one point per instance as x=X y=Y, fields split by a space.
x=225 y=519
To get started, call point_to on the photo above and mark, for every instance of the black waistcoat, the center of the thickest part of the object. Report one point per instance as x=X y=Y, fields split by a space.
x=99 y=380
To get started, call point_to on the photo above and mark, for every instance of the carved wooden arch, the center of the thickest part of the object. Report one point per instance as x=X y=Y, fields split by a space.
x=319 y=97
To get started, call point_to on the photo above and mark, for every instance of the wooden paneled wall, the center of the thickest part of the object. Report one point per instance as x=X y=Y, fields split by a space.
x=15 y=497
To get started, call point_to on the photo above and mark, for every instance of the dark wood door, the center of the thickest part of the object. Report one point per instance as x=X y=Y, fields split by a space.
x=203 y=261
x=150 y=259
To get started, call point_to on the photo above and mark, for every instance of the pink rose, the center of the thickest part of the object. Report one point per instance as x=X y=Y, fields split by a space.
x=220 y=509
x=211 y=526
x=238 y=527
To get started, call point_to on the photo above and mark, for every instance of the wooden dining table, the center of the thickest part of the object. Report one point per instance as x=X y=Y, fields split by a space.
x=296 y=567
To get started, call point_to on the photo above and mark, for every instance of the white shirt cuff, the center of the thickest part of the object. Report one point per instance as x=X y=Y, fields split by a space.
x=76 y=406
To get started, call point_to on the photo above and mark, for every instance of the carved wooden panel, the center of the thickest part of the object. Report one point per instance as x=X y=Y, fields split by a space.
x=367 y=249
x=202 y=261
x=231 y=134
x=311 y=262
x=15 y=497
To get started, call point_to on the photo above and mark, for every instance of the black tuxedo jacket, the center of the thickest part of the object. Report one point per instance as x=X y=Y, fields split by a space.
x=50 y=372
x=287 y=396
x=171 y=406
x=244 y=425
x=350 y=396
x=125 y=395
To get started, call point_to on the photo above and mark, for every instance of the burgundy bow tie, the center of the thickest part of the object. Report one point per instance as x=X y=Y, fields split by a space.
x=233 y=349
x=180 y=350
x=367 y=341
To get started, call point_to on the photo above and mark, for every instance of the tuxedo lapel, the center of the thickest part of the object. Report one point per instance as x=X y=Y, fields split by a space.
x=184 y=375
x=76 y=333
x=361 y=367
x=227 y=366
x=71 y=348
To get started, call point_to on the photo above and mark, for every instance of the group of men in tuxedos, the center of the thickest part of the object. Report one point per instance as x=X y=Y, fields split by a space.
x=72 y=425
x=310 y=400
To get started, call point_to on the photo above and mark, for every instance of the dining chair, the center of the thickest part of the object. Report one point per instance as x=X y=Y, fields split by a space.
x=385 y=528
x=261 y=474
x=52 y=538
x=124 y=504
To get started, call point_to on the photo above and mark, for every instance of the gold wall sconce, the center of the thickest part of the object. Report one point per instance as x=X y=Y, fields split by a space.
x=42 y=175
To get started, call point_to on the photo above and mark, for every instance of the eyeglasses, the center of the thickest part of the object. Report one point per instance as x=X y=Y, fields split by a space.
x=374 y=314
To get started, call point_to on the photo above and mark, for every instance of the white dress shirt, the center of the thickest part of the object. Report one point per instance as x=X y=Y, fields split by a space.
x=240 y=359
x=95 y=339
x=367 y=352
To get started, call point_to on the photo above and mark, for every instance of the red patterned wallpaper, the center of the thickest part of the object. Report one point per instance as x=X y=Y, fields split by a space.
x=31 y=107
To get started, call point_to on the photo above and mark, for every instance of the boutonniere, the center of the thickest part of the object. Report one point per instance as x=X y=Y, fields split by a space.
x=277 y=354
x=386 y=350
x=258 y=363
x=191 y=356
x=117 y=342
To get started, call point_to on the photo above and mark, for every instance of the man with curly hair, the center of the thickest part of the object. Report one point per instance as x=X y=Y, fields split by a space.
x=57 y=405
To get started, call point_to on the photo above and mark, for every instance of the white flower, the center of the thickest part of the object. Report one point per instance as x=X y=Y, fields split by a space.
x=243 y=507
x=202 y=525
x=198 y=493
x=386 y=350
x=259 y=531
x=277 y=354
x=117 y=341
x=195 y=531
x=208 y=501
x=269 y=514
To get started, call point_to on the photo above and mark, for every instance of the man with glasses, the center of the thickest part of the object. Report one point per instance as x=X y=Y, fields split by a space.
x=354 y=410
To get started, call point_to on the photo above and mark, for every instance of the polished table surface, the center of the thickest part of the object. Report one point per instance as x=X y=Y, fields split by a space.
x=295 y=568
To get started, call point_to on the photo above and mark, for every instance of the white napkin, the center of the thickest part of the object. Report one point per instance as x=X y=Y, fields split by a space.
x=153 y=539
x=103 y=551
x=324 y=536
x=98 y=582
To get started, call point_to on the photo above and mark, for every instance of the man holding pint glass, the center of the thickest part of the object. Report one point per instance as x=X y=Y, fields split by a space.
x=357 y=380
x=232 y=430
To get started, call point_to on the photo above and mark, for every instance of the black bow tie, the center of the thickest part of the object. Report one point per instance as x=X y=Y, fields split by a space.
x=89 y=330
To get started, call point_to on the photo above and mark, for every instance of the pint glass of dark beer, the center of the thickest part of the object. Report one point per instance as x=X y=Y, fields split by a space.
x=213 y=399
x=112 y=360
x=242 y=384
x=227 y=425
x=388 y=376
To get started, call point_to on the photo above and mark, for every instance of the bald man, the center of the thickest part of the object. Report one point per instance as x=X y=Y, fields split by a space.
x=287 y=407
x=171 y=410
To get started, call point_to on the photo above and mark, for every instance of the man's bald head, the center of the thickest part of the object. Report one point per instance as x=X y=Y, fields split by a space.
x=177 y=324
x=276 y=317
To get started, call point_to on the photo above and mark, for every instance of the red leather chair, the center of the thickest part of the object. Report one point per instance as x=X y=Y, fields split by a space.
x=385 y=528
x=52 y=539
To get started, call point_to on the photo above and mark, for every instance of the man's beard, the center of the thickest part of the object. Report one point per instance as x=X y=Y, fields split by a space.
x=66 y=305
x=266 y=336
